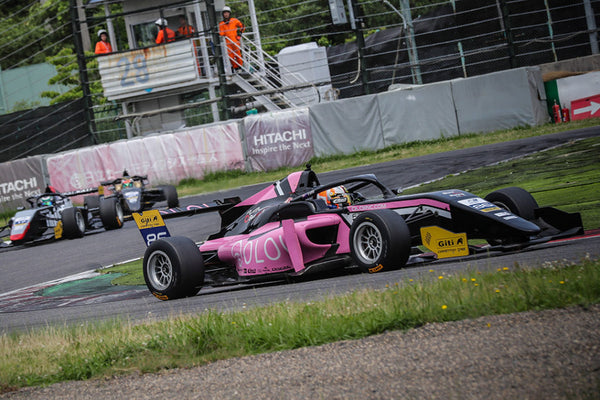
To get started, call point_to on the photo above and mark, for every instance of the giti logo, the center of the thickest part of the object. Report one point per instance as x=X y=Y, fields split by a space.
x=149 y=220
x=451 y=242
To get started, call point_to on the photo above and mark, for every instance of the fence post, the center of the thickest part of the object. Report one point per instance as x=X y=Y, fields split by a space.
x=508 y=33
x=83 y=76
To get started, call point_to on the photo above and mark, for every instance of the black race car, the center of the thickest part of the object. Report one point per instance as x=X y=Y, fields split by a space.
x=133 y=194
x=53 y=215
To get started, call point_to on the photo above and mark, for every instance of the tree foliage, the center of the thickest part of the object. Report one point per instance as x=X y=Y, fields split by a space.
x=33 y=31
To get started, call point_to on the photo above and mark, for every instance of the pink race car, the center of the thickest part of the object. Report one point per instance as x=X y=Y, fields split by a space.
x=297 y=226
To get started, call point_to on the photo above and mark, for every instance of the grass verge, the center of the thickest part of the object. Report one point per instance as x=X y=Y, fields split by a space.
x=111 y=348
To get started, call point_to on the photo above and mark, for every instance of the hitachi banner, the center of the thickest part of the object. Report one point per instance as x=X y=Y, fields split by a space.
x=279 y=139
x=19 y=180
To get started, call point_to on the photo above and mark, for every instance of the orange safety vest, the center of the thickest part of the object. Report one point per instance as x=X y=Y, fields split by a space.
x=186 y=31
x=103 y=48
x=230 y=29
x=160 y=38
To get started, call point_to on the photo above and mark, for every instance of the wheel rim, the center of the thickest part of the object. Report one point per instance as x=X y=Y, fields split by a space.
x=502 y=205
x=160 y=270
x=368 y=243
x=80 y=222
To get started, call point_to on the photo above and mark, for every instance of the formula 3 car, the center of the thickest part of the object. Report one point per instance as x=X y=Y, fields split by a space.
x=53 y=215
x=297 y=226
x=133 y=194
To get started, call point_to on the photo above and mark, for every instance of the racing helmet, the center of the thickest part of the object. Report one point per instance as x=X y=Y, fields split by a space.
x=336 y=197
x=45 y=201
x=127 y=183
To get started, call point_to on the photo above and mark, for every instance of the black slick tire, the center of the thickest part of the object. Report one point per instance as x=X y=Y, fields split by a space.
x=379 y=241
x=173 y=268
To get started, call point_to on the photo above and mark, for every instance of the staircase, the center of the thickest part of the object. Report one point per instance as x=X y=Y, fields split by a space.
x=267 y=83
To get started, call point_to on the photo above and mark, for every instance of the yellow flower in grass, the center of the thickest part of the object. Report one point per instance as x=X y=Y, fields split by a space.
x=444 y=307
x=440 y=277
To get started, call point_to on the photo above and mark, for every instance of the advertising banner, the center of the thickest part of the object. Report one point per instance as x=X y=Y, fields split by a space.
x=19 y=180
x=165 y=158
x=278 y=139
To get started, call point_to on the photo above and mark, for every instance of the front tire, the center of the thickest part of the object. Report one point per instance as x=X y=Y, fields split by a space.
x=380 y=241
x=171 y=196
x=73 y=223
x=111 y=213
x=516 y=200
x=173 y=268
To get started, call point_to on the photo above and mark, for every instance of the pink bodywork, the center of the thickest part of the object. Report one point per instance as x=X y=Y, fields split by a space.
x=278 y=246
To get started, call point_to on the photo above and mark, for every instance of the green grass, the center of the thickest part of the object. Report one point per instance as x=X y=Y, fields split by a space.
x=95 y=350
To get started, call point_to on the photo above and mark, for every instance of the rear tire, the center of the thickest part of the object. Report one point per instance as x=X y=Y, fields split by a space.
x=111 y=213
x=380 y=241
x=516 y=200
x=73 y=223
x=92 y=203
x=173 y=268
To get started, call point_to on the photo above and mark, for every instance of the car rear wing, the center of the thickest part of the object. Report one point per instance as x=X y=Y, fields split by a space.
x=151 y=223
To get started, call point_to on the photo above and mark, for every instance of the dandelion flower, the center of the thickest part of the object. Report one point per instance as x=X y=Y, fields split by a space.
x=444 y=307
x=562 y=282
x=440 y=277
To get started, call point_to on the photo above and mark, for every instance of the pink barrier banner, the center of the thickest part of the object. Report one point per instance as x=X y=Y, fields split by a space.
x=279 y=139
x=165 y=158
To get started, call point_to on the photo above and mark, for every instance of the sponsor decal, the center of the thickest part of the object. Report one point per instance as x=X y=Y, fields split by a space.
x=376 y=268
x=490 y=209
x=367 y=207
x=58 y=230
x=503 y=214
x=444 y=243
x=160 y=296
x=454 y=193
x=479 y=204
x=151 y=225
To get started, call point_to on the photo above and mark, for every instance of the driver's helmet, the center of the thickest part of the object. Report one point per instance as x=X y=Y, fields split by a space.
x=46 y=201
x=336 y=197
x=127 y=183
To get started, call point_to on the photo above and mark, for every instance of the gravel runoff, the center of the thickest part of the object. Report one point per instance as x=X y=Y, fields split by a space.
x=532 y=355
